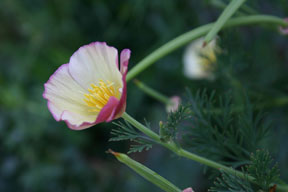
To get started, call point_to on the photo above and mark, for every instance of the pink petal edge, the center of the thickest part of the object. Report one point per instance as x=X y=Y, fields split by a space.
x=106 y=113
x=124 y=61
x=53 y=109
x=49 y=104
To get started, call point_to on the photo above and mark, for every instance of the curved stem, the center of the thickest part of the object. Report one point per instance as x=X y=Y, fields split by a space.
x=176 y=149
x=196 y=33
x=151 y=92
x=184 y=153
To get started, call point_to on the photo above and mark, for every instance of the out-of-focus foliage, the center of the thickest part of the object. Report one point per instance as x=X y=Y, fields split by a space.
x=259 y=168
x=262 y=171
x=40 y=154
x=223 y=131
x=231 y=183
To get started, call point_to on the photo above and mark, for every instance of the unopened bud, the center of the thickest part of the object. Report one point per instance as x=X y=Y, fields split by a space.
x=189 y=189
x=173 y=106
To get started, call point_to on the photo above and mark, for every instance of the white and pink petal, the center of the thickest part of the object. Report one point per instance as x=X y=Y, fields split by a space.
x=65 y=98
x=94 y=62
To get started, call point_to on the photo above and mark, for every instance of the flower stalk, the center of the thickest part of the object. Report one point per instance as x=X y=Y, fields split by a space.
x=195 y=34
x=232 y=7
x=243 y=10
x=184 y=153
x=152 y=92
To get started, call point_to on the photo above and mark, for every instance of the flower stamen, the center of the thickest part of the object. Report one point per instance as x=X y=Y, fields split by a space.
x=208 y=58
x=100 y=94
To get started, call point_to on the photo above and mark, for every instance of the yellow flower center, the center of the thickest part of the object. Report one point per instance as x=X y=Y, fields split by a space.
x=99 y=95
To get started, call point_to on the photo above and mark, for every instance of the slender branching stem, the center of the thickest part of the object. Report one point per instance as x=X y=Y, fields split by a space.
x=196 y=33
x=184 y=153
x=152 y=92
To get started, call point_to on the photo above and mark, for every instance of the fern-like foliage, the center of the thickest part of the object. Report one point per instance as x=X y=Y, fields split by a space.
x=219 y=130
x=231 y=183
x=140 y=146
x=125 y=131
x=168 y=130
x=260 y=169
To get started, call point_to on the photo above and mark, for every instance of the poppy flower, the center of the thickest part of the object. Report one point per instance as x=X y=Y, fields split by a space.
x=199 y=61
x=91 y=88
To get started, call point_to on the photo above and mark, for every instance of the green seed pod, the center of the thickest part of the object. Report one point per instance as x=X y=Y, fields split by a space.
x=145 y=172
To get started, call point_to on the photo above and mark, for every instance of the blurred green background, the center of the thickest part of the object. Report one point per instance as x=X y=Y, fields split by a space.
x=37 y=36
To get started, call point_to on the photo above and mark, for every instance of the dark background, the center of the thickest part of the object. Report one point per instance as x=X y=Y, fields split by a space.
x=37 y=36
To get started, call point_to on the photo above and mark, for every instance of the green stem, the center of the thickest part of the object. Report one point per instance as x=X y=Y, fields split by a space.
x=183 y=153
x=221 y=5
x=248 y=9
x=196 y=33
x=176 y=149
x=141 y=127
x=210 y=163
x=278 y=102
x=232 y=7
x=153 y=93
x=244 y=10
